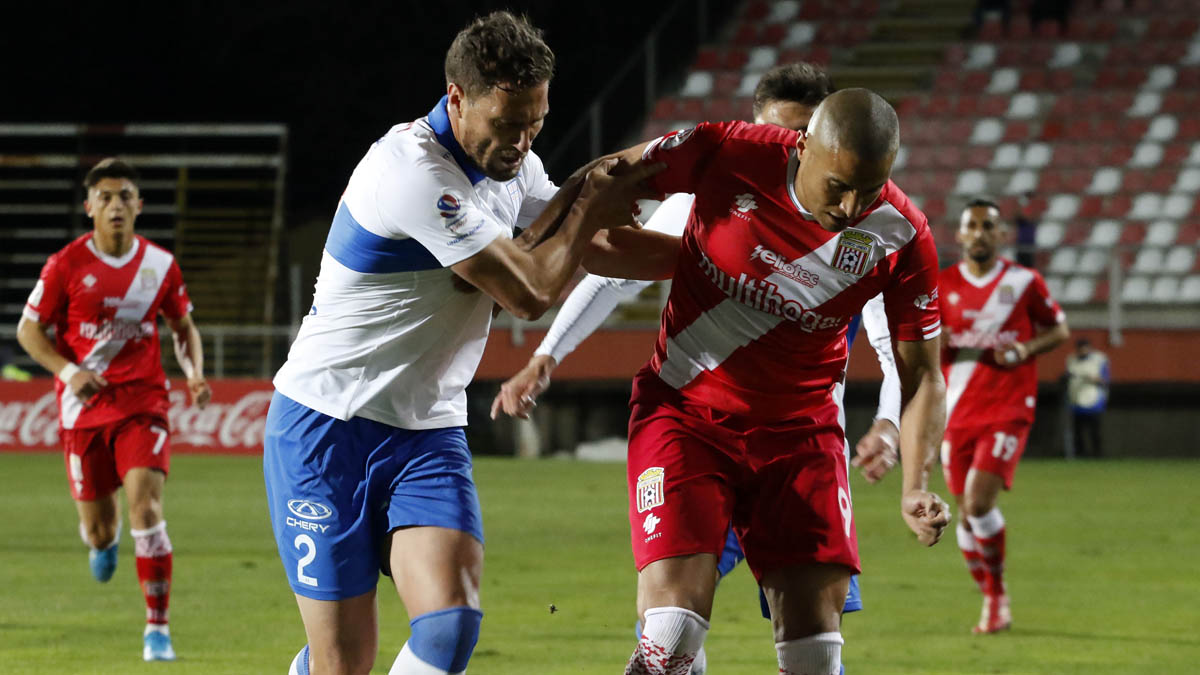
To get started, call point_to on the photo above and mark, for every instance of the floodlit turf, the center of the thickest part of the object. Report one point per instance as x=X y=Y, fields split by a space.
x=1103 y=575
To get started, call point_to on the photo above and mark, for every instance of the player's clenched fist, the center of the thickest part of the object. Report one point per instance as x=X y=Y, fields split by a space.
x=612 y=189
x=86 y=384
x=200 y=391
x=926 y=514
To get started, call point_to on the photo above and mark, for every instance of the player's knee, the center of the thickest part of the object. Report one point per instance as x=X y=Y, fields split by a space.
x=99 y=533
x=445 y=638
x=819 y=654
x=976 y=507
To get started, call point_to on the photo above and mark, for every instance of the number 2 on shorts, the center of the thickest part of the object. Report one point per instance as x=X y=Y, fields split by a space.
x=303 y=541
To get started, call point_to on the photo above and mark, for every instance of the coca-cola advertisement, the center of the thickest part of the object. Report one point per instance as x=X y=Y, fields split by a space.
x=232 y=422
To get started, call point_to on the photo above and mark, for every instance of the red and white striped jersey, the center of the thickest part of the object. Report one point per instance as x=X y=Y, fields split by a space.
x=1006 y=305
x=756 y=320
x=105 y=312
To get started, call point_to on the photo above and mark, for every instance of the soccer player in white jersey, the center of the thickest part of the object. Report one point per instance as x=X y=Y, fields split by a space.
x=365 y=459
x=103 y=294
x=998 y=315
x=785 y=96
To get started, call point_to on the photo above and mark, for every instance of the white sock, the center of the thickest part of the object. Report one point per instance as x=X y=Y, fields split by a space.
x=987 y=525
x=966 y=538
x=156 y=628
x=700 y=665
x=671 y=638
x=819 y=654
x=298 y=667
x=407 y=663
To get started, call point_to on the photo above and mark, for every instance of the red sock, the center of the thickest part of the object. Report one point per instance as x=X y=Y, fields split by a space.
x=992 y=553
x=970 y=551
x=152 y=548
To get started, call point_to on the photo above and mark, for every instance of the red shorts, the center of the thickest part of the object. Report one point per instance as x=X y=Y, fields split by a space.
x=995 y=448
x=98 y=458
x=693 y=470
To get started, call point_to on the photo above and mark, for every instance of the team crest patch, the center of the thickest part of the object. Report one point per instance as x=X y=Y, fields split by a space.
x=1007 y=296
x=677 y=139
x=450 y=209
x=149 y=278
x=853 y=252
x=650 y=488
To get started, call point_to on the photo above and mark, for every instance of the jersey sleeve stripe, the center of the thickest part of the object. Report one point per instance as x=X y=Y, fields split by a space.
x=365 y=252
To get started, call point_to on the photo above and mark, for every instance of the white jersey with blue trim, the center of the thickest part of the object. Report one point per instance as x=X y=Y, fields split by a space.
x=389 y=338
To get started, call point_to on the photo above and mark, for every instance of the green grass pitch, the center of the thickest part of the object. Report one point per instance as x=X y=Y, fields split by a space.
x=1103 y=574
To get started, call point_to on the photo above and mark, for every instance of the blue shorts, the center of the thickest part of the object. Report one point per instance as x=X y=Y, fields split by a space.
x=336 y=489
x=732 y=555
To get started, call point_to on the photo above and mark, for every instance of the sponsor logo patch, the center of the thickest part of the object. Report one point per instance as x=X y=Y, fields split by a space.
x=308 y=509
x=650 y=488
x=922 y=301
x=449 y=207
x=792 y=270
x=677 y=139
x=149 y=278
x=852 y=253
x=650 y=523
x=88 y=281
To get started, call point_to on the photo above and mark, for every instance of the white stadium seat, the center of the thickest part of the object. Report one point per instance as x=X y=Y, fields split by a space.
x=1004 y=80
x=746 y=87
x=981 y=56
x=1149 y=260
x=1160 y=77
x=1008 y=156
x=971 y=182
x=1079 y=290
x=1105 y=233
x=1146 y=206
x=1093 y=261
x=1023 y=106
x=783 y=11
x=762 y=58
x=987 y=131
x=1062 y=207
x=1037 y=156
x=1146 y=104
x=1189 y=290
x=1180 y=259
x=1165 y=290
x=1146 y=155
x=1064 y=260
x=1066 y=55
x=1049 y=234
x=1105 y=181
x=1178 y=206
x=1161 y=233
x=1162 y=128
x=800 y=34
x=1136 y=290
x=698 y=85
x=1022 y=181
x=901 y=158
x=1188 y=180
x=1057 y=287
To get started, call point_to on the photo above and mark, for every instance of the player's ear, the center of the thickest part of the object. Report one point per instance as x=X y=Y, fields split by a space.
x=454 y=98
x=87 y=206
x=140 y=206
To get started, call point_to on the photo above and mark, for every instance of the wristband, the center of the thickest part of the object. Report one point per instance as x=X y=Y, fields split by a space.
x=67 y=372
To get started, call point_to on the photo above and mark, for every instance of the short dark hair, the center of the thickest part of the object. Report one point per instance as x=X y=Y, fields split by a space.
x=110 y=167
x=800 y=82
x=499 y=49
x=983 y=202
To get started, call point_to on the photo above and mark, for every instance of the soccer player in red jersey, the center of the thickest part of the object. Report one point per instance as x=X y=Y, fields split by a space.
x=102 y=294
x=998 y=316
x=734 y=417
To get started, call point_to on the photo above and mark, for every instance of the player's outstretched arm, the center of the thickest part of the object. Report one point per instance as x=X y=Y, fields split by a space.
x=582 y=313
x=189 y=353
x=922 y=425
x=33 y=338
x=526 y=283
x=875 y=452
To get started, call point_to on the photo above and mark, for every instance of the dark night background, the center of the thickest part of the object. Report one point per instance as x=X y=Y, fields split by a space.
x=338 y=73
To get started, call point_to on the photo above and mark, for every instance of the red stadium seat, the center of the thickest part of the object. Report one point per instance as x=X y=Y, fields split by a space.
x=726 y=82
x=708 y=58
x=723 y=108
x=1132 y=233
x=756 y=10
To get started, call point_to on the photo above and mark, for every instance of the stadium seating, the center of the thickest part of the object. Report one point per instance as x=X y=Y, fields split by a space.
x=1098 y=121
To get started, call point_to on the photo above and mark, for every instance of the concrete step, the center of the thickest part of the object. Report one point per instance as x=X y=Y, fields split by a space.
x=898 y=54
x=886 y=81
x=915 y=29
